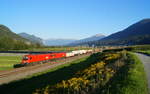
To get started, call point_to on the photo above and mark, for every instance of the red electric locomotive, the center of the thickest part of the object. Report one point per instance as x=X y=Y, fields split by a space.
x=38 y=58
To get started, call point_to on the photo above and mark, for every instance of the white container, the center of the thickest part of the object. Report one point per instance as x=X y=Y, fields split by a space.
x=69 y=54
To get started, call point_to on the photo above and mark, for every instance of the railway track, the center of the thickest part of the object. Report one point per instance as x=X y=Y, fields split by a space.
x=20 y=73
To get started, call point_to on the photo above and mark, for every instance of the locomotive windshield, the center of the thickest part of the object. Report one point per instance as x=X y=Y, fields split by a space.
x=25 y=58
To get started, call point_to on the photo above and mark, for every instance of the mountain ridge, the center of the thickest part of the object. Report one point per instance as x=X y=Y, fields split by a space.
x=32 y=38
x=88 y=39
x=58 y=42
x=6 y=32
x=11 y=41
x=136 y=33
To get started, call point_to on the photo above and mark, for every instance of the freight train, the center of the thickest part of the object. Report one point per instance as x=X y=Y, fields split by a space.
x=32 y=59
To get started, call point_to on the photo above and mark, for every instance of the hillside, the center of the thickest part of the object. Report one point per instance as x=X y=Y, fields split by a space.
x=58 y=42
x=138 y=33
x=32 y=38
x=89 y=39
x=11 y=41
x=6 y=32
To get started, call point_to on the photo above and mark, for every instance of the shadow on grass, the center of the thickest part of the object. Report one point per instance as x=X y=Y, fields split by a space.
x=116 y=82
x=143 y=53
x=27 y=86
x=127 y=80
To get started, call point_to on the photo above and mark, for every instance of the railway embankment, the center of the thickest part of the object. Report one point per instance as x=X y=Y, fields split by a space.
x=20 y=73
x=50 y=76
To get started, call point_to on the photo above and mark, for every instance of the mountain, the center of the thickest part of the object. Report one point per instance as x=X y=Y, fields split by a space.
x=58 y=42
x=10 y=40
x=32 y=38
x=89 y=39
x=6 y=32
x=93 y=38
x=138 y=33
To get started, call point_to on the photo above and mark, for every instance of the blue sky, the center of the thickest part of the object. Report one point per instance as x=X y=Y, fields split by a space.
x=73 y=19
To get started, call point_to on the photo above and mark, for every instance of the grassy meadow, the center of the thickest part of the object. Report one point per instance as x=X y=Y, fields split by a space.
x=147 y=52
x=7 y=62
x=57 y=48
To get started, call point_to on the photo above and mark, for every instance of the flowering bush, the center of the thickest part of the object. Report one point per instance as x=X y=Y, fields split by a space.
x=87 y=80
x=112 y=56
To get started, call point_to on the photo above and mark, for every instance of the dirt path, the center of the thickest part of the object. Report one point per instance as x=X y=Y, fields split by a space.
x=146 y=61
x=20 y=73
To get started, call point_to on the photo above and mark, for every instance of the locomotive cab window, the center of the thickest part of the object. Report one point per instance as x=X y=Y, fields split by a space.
x=25 y=58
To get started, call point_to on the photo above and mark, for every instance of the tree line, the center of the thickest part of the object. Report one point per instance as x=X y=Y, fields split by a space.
x=7 y=43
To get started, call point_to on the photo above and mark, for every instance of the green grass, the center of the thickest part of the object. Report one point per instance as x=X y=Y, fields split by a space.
x=7 y=62
x=141 y=47
x=147 y=52
x=57 y=48
x=50 y=77
x=130 y=79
